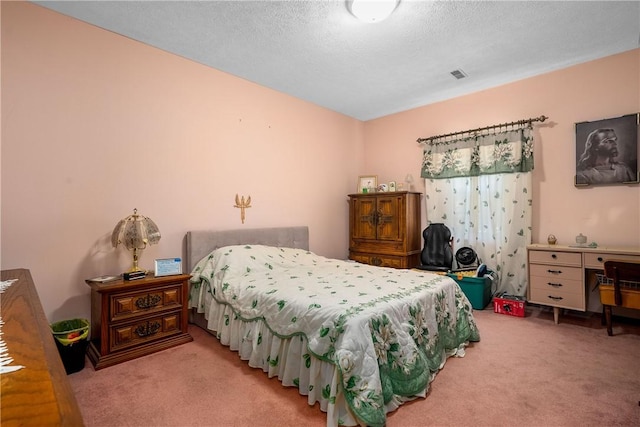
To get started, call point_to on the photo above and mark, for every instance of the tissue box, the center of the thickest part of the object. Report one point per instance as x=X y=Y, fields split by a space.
x=477 y=289
x=509 y=304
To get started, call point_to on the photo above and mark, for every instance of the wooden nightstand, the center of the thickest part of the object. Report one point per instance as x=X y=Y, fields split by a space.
x=134 y=318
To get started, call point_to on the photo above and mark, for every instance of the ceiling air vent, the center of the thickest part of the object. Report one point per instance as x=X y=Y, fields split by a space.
x=458 y=74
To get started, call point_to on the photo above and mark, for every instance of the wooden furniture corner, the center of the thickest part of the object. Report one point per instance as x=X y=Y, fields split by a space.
x=40 y=393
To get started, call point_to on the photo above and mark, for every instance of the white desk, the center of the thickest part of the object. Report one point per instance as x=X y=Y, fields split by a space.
x=558 y=274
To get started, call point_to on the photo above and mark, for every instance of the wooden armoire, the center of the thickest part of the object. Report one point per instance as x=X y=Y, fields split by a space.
x=384 y=229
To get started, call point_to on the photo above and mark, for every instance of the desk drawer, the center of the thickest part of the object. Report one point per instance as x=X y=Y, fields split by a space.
x=596 y=260
x=557 y=284
x=555 y=257
x=555 y=272
x=554 y=298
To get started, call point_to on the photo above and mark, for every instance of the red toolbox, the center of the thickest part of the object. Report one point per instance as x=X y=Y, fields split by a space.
x=509 y=304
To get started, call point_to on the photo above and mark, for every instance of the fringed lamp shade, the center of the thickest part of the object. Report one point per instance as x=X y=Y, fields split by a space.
x=135 y=232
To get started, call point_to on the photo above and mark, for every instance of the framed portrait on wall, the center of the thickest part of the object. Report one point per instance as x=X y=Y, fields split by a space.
x=607 y=151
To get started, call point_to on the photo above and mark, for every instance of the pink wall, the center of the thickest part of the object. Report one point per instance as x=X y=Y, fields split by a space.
x=605 y=88
x=95 y=124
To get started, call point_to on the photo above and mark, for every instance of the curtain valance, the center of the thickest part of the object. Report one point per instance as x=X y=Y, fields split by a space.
x=503 y=152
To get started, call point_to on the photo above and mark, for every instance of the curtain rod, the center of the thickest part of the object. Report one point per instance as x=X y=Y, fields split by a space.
x=519 y=122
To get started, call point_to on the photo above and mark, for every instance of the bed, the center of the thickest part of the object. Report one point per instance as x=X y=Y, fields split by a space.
x=359 y=340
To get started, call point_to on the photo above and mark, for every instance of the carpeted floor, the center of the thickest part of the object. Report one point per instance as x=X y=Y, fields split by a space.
x=524 y=371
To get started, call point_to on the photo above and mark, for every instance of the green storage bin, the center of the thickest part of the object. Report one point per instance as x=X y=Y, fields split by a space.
x=477 y=289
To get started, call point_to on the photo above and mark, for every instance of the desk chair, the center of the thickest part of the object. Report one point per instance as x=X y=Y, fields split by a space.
x=437 y=253
x=622 y=289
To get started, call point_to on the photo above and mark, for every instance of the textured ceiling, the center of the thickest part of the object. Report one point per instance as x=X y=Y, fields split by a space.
x=317 y=51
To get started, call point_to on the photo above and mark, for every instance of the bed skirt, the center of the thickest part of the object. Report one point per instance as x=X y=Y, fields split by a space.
x=289 y=360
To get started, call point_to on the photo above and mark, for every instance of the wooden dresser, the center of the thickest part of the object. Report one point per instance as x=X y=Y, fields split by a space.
x=558 y=275
x=384 y=229
x=40 y=393
x=134 y=318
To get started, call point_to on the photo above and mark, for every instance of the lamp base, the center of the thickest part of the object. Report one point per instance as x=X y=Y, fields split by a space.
x=133 y=275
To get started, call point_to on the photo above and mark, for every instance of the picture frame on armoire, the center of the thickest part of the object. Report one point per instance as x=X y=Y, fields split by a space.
x=607 y=151
x=367 y=183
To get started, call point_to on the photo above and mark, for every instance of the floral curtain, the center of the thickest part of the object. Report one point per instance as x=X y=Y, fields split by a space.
x=480 y=187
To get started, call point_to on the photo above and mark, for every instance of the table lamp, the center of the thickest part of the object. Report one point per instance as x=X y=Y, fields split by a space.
x=135 y=232
x=409 y=182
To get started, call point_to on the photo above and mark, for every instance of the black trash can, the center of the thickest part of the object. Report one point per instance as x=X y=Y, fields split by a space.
x=72 y=339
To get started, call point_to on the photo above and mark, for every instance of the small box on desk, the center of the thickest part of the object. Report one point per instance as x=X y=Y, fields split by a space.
x=509 y=304
x=477 y=289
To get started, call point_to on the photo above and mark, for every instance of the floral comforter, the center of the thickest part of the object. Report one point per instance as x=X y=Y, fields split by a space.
x=386 y=330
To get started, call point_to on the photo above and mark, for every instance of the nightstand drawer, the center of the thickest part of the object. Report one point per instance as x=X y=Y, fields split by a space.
x=555 y=257
x=139 y=331
x=125 y=305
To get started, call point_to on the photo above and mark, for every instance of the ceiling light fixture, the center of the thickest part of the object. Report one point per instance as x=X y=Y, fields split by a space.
x=372 y=11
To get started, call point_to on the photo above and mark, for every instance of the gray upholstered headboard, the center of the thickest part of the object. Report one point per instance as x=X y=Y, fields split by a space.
x=200 y=243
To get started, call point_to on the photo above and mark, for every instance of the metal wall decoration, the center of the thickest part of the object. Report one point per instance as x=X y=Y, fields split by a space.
x=242 y=204
x=607 y=151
